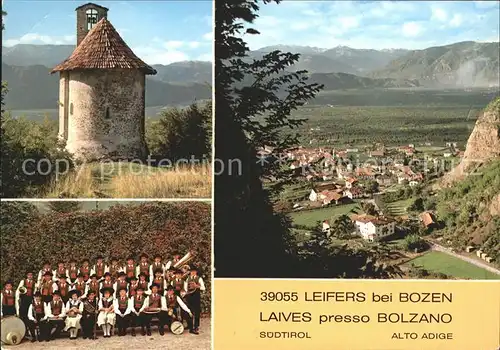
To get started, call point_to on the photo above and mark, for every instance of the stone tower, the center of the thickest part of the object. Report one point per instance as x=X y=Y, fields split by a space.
x=102 y=92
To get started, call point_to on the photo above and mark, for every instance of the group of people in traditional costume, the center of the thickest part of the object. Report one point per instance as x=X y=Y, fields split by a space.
x=82 y=297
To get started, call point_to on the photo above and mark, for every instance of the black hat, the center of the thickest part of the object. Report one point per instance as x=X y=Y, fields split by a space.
x=133 y=278
x=91 y=292
x=157 y=270
x=85 y=260
x=144 y=255
x=143 y=274
x=72 y=261
x=80 y=275
x=154 y=285
x=99 y=257
x=157 y=256
x=63 y=276
x=75 y=291
x=56 y=292
x=113 y=258
x=107 y=289
x=60 y=262
x=107 y=274
x=193 y=268
x=93 y=275
x=121 y=273
x=46 y=263
x=120 y=289
x=29 y=271
x=9 y=282
x=139 y=288
x=170 y=287
x=47 y=273
x=37 y=294
x=130 y=257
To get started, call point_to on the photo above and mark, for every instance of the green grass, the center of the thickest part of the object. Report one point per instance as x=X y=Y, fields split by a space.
x=399 y=207
x=451 y=266
x=310 y=217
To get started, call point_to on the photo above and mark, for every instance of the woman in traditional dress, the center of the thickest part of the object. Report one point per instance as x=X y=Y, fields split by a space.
x=74 y=310
x=107 y=316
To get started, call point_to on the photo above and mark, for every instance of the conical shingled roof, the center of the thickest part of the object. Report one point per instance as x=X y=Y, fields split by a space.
x=103 y=48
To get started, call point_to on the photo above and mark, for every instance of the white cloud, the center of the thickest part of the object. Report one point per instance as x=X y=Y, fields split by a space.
x=301 y=25
x=439 y=14
x=457 y=20
x=153 y=55
x=173 y=44
x=205 y=57
x=209 y=36
x=412 y=29
x=35 y=38
x=349 y=22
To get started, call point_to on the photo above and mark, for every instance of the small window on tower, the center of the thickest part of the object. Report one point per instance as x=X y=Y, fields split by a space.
x=71 y=108
x=107 y=116
x=92 y=18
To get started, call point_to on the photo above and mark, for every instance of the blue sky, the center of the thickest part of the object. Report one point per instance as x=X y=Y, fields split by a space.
x=375 y=24
x=159 y=32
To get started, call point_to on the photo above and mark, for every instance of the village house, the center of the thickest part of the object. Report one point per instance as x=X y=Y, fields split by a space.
x=330 y=197
x=373 y=228
x=384 y=180
x=428 y=219
x=378 y=153
x=351 y=182
x=354 y=193
x=326 y=226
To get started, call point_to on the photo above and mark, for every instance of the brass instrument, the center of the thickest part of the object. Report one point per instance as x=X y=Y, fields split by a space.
x=152 y=310
x=12 y=330
x=183 y=264
x=22 y=290
x=170 y=312
x=89 y=308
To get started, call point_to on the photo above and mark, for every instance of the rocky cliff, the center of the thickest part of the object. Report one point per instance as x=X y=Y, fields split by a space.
x=483 y=144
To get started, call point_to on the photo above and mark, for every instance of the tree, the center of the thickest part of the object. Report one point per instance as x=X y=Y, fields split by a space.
x=342 y=227
x=182 y=133
x=372 y=187
x=417 y=205
x=414 y=242
x=369 y=208
x=254 y=99
x=65 y=206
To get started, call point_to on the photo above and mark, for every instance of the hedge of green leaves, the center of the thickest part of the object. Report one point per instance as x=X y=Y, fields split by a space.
x=29 y=237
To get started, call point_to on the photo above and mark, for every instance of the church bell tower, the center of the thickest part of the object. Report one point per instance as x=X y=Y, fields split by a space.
x=87 y=16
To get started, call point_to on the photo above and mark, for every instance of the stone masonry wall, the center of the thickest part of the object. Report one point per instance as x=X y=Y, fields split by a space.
x=81 y=20
x=92 y=136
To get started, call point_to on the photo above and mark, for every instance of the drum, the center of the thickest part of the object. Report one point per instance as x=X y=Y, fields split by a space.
x=152 y=311
x=177 y=328
x=13 y=330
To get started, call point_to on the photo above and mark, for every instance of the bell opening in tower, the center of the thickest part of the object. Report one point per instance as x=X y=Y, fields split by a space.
x=92 y=18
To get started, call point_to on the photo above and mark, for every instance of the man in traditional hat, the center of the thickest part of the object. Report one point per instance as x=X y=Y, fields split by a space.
x=106 y=317
x=122 y=310
x=59 y=271
x=93 y=284
x=85 y=269
x=175 y=304
x=178 y=282
x=63 y=287
x=47 y=286
x=46 y=268
x=24 y=300
x=121 y=283
x=37 y=317
x=74 y=311
x=114 y=268
x=130 y=268
x=89 y=315
x=143 y=266
x=143 y=282
x=169 y=276
x=132 y=287
x=156 y=265
x=55 y=312
x=193 y=286
x=72 y=271
x=137 y=306
x=154 y=307
x=159 y=280
x=8 y=300
x=80 y=285
x=99 y=268
x=107 y=282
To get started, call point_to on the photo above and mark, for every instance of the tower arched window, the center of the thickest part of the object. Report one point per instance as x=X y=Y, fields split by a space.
x=107 y=115
x=92 y=18
x=71 y=108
